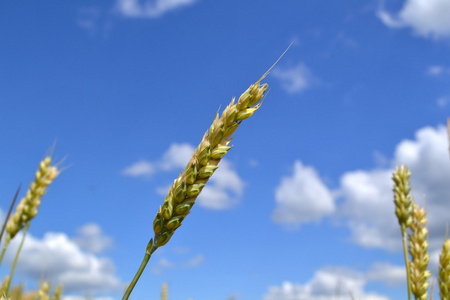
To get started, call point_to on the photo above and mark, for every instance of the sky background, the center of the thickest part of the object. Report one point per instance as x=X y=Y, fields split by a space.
x=301 y=206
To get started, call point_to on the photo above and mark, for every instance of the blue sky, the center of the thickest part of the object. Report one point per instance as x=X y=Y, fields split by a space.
x=301 y=206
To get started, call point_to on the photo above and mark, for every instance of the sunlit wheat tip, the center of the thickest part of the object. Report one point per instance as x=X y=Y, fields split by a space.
x=402 y=198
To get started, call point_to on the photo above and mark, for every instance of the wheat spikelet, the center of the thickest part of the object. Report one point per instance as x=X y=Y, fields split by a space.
x=402 y=198
x=418 y=246
x=444 y=271
x=28 y=206
x=203 y=163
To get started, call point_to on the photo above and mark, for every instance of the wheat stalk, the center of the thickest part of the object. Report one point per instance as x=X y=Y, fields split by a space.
x=418 y=246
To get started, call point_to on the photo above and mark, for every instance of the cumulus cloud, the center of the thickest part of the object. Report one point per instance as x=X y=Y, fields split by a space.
x=437 y=70
x=294 y=79
x=302 y=197
x=164 y=263
x=62 y=261
x=428 y=18
x=223 y=190
x=369 y=208
x=92 y=239
x=443 y=101
x=324 y=285
x=387 y=273
x=149 y=8
x=368 y=201
x=142 y=168
x=176 y=157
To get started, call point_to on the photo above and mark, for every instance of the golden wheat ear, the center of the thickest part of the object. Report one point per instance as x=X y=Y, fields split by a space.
x=28 y=206
x=418 y=249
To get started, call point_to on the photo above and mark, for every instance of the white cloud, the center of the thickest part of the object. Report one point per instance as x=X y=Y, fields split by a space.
x=370 y=209
x=368 y=199
x=437 y=70
x=380 y=159
x=223 y=190
x=164 y=263
x=141 y=168
x=58 y=258
x=427 y=18
x=295 y=79
x=92 y=239
x=324 y=285
x=302 y=197
x=88 y=18
x=443 y=101
x=176 y=157
x=149 y=8
x=387 y=273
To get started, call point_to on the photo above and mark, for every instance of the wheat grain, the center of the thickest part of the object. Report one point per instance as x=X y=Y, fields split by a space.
x=418 y=246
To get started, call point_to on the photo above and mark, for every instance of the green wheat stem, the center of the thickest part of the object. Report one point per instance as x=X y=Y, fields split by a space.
x=405 y=253
x=25 y=230
x=5 y=246
x=148 y=253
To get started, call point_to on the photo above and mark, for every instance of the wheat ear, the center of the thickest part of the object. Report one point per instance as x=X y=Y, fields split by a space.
x=403 y=210
x=418 y=246
x=444 y=271
x=28 y=206
x=203 y=163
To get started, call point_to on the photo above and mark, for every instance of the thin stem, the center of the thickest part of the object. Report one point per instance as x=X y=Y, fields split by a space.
x=150 y=249
x=25 y=230
x=5 y=246
x=9 y=213
x=405 y=253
